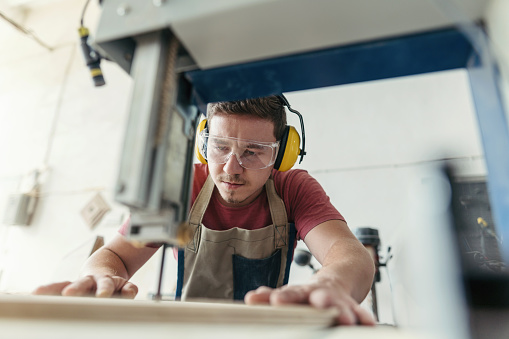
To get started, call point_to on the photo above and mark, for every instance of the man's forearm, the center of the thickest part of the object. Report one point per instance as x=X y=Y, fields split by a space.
x=343 y=281
x=350 y=266
x=105 y=262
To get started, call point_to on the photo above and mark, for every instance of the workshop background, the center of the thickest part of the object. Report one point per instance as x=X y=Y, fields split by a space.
x=366 y=144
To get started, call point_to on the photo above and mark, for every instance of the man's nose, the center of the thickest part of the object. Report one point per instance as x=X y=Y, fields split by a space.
x=232 y=165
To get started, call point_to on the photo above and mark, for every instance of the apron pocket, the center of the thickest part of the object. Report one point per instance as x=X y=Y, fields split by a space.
x=249 y=274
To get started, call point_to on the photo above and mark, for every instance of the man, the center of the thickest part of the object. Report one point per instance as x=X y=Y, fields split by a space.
x=234 y=254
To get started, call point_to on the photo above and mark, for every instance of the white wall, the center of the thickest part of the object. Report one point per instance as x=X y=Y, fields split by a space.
x=365 y=143
x=54 y=120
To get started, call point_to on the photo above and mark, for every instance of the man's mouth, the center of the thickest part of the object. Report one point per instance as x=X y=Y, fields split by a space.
x=232 y=185
x=230 y=182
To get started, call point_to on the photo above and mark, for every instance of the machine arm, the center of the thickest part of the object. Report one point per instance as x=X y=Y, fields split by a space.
x=155 y=173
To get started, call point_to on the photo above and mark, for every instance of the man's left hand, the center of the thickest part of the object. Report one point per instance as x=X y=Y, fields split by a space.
x=319 y=295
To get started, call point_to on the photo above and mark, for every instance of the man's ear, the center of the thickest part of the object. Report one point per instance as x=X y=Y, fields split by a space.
x=288 y=149
x=200 y=145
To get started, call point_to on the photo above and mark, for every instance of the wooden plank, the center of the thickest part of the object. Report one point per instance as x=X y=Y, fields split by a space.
x=52 y=329
x=205 y=312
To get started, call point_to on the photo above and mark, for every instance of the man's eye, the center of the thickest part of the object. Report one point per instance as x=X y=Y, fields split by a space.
x=249 y=153
x=222 y=148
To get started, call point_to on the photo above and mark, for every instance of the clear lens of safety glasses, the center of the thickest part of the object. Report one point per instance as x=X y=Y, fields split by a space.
x=250 y=154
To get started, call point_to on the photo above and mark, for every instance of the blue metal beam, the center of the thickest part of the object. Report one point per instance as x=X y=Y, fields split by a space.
x=373 y=60
x=492 y=118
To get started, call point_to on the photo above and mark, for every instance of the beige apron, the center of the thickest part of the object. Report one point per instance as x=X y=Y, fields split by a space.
x=227 y=264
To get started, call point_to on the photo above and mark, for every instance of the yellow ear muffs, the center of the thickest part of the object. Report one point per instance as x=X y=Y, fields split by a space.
x=288 y=149
x=200 y=147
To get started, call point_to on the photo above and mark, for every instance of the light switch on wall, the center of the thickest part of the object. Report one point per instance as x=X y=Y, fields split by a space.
x=20 y=209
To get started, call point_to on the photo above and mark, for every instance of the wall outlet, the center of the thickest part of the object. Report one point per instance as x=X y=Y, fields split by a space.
x=95 y=210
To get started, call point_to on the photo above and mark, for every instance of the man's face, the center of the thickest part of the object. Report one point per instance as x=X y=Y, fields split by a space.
x=236 y=185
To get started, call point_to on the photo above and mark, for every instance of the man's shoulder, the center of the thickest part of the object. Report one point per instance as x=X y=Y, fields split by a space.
x=292 y=181
x=290 y=175
x=201 y=172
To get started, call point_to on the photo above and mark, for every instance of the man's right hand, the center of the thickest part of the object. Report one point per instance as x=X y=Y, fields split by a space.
x=101 y=286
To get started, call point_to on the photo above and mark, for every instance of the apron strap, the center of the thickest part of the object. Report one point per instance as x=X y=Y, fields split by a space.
x=197 y=211
x=278 y=214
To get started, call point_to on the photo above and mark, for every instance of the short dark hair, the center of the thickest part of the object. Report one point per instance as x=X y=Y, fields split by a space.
x=268 y=108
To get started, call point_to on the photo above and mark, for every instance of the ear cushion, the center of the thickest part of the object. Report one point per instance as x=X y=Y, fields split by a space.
x=288 y=149
x=200 y=148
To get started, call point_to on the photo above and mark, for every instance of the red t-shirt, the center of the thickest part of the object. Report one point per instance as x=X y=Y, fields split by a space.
x=307 y=204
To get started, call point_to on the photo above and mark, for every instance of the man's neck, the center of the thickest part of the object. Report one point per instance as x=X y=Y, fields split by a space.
x=233 y=203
